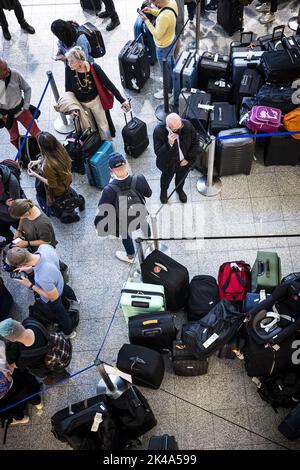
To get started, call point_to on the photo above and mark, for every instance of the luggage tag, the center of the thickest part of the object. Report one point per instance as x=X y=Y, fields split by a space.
x=216 y=57
x=115 y=371
x=210 y=340
x=97 y=421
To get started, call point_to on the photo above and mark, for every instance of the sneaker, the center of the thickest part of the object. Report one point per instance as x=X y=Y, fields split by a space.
x=25 y=420
x=267 y=18
x=104 y=14
x=263 y=8
x=122 y=256
x=26 y=27
x=74 y=304
x=112 y=25
x=39 y=409
x=6 y=34
x=72 y=335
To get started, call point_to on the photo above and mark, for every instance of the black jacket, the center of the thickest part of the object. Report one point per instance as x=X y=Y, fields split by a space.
x=12 y=187
x=167 y=156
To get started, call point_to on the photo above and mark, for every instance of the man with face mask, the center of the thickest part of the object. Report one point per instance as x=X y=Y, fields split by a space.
x=175 y=146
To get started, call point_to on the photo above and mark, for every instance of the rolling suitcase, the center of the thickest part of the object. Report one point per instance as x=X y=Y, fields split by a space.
x=220 y=90
x=164 y=442
x=252 y=299
x=155 y=331
x=273 y=42
x=245 y=44
x=234 y=156
x=230 y=15
x=250 y=84
x=134 y=65
x=135 y=136
x=185 y=73
x=282 y=150
x=140 y=28
x=140 y=298
x=185 y=363
x=266 y=271
x=198 y=109
x=146 y=367
x=214 y=66
x=281 y=66
x=290 y=426
x=160 y=269
x=222 y=117
x=240 y=62
x=291 y=41
x=97 y=168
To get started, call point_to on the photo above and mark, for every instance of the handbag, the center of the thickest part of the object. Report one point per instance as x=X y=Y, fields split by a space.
x=68 y=201
x=106 y=96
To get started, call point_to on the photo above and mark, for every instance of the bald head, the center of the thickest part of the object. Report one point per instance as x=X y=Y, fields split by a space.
x=173 y=121
x=4 y=70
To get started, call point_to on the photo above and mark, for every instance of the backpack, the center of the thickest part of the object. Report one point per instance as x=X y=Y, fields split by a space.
x=30 y=151
x=95 y=39
x=282 y=390
x=203 y=296
x=234 y=280
x=14 y=167
x=58 y=351
x=291 y=122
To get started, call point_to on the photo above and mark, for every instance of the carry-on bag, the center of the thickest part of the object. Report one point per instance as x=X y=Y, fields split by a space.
x=266 y=271
x=222 y=117
x=291 y=122
x=250 y=83
x=282 y=150
x=185 y=73
x=291 y=41
x=81 y=145
x=290 y=426
x=203 y=296
x=212 y=66
x=97 y=167
x=245 y=44
x=155 y=331
x=165 y=442
x=160 y=269
x=234 y=280
x=141 y=28
x=145 y=365
x=276 y=95
x=281 y=66
x=281 y=391
x=135 y=136
x=240 y=61
x=138 y=297
x=94 y=36
x=234 y=156
x=273 y=42
x=198 y=109
x=134 y=65
x=185 y=363
x=252 y=299
x=220 y=90
x=263 y=119
x=230 y=15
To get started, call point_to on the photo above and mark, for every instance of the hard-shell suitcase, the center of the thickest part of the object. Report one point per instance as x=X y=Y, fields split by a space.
x=134 y=65
x=220 y=90
x=138 y=298
x=135 y=136
x=198 y=109
x=245 y=44
x=252 y=299
x=185 y=73
x=153 y=330
x=230 y=15
x=281 y=66
x=222 y=117
x=145 y=365
x=290 y=426
x=266 y=271
x=234 y=156
x=273 y=42
x=141 y=28
x=159 y=268
x=185 y=363
x=282 y=150
x=240 y=62
x=97 y=168
x=250 y=84
x=165 y=442
x=212 y=65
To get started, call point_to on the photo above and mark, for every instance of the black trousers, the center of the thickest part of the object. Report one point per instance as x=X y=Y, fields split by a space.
x=167 y=176
x=57 y=312
x=110 y=8
x=18 y=12
x=191 y=8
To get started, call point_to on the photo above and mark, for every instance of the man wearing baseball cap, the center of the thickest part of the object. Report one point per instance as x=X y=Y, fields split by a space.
x=123 y=196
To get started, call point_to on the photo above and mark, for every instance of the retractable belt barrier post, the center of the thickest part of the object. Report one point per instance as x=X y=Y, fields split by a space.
x=62 y=125
x=210 y=186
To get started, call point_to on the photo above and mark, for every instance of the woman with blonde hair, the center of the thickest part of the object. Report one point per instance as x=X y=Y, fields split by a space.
x=54 y=179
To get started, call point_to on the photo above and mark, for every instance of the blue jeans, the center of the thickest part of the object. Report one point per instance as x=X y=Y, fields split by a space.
x=161 y=53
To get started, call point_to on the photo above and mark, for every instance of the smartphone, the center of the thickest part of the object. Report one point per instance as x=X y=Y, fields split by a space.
x=17 y=240
x=140 y=12
x=17 y=275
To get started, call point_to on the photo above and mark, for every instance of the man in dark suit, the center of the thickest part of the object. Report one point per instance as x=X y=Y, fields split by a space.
x=110 y=12
x=175 y=146
x=17 y=7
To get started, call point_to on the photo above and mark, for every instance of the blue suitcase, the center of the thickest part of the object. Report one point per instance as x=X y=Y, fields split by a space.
x=97 y=168
x=185 y=73
x=252 y=299
x=140 y=28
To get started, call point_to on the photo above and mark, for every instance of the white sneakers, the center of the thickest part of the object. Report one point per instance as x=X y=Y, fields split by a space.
x=25 y=420
x=263 y=8
x=159 y=95
x=122 y=256
x=72 y=335
x=267 y=18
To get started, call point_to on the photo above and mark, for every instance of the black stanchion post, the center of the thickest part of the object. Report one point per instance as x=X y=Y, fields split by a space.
x=163 y=110
x=62 y=125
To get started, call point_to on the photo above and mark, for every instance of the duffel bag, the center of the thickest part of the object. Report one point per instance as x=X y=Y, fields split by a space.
x=274 y=95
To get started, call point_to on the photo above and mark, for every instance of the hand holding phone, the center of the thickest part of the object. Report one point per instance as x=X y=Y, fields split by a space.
x=17 y=240
x=141 y=13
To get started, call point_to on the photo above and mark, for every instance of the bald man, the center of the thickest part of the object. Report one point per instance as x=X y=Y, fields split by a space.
x=175 y=146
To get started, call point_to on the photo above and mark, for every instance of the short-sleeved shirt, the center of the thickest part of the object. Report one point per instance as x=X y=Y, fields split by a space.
x=38 y=229
x=47 y=275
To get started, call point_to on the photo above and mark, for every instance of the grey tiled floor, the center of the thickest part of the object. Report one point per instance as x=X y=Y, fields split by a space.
x=266 y=201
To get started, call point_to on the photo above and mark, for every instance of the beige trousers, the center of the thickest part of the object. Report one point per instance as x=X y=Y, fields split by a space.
x=96 y=113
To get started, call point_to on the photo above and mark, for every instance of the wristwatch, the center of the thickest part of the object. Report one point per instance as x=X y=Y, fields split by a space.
x=31 y=287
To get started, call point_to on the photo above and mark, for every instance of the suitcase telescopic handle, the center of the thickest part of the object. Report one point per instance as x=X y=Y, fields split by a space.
x=152 y=332
x=264 y=267
x=278 y=29
x=249 y=35
x=130 y=111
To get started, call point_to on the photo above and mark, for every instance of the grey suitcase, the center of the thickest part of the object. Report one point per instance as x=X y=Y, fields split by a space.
x=240 y=61
x=185 y=73
x=234 y=156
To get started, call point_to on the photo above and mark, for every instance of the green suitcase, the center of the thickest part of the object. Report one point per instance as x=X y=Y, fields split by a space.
x=138 y=297
x=266 y=271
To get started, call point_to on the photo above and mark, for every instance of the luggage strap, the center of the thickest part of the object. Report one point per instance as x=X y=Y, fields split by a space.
x=241 y=280
x=168 y=8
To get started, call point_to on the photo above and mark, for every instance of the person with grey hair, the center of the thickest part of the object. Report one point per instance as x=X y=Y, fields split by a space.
x=176 y=147
x=93 y=89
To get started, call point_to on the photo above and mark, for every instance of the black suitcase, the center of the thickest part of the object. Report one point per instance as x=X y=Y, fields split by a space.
x=153 y=330
x=245 y=44
x=146 y=366
x=282 y=150
x=134 y=65
x=290 y=426
x=160 y=269
x=220 y=90
x=185 y=363
x=234 y=156
x=230 y=15
x=291 y=41
x=135 y=136
x=198 y=109
x=203 y=296
x=291 y=278
x=212 y=65
x=273 y=42
x=250 y=84
x=281 y=66
x=165 y=442
x=241 y=61
x=222 y=117
x=276 y=96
